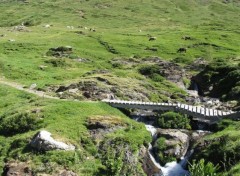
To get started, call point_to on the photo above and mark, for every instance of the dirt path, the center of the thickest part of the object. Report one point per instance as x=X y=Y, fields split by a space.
x=21 y=87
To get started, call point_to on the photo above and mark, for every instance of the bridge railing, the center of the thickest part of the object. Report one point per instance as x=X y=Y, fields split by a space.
x=195 y=111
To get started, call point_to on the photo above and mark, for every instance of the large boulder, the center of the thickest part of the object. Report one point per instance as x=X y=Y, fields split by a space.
x=176 y=142
x=43 y=141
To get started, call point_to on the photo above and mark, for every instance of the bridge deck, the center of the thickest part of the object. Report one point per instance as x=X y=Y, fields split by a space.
x=198 y=113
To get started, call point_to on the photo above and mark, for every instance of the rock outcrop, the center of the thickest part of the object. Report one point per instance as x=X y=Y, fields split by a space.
x=17 y=169
x=43 y=141
x=148 y=165
x=177 y=142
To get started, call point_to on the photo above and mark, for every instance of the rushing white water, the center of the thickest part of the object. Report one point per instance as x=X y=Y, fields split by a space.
x=171 y=168
x=151 y=129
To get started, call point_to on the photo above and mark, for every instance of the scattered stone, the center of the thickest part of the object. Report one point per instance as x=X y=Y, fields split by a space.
x=43 y=141
x=17 y=169
x=182 y=50
x=20 y=28
x=11 y=40
x=92 y=29
x=62 y=51
x=47 y=26
x=70 y=27
x=187 y=38
x=67 y=173
x=81 y=60
x=42 y=67
x=152 y=38
x=33 y=86
x=73 y=90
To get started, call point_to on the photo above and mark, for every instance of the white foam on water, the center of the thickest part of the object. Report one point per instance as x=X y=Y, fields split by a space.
x=172 y=168
x=151 y=129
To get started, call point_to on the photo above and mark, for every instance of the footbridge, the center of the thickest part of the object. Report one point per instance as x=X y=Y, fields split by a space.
x=202 y=114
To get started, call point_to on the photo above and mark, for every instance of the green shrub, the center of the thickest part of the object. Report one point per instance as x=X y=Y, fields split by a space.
x=18 y=123
x=149 y=70
x=159 y=148
x=224 y=151
x=116 y=155
x=173 y=120
x=157 y=78
x=223 y=77
x=203 y=169
x=153 y=72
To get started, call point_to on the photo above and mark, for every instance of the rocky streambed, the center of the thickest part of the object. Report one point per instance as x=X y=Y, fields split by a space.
x=170 y=149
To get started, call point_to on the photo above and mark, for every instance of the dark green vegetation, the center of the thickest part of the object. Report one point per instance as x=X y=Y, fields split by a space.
x=224 y=77
x=113 y=36
x=203 y=169
x=222 y=147
x=18 y=123
x=173 y=120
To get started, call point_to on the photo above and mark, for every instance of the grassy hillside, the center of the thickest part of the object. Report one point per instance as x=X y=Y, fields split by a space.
x=111 y=44
x=67 y=121
x=122 y=30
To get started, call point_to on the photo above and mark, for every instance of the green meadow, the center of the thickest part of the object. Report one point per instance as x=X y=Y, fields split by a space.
x=100 y=32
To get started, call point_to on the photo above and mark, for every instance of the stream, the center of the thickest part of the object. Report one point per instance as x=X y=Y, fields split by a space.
x=172 y=168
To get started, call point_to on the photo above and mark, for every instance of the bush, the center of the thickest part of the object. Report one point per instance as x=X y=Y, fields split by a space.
x=160 y=147
x=153 y=72
x=173 y=120
x=149 y=70
x=223 y=76
x=118 y=158
x=157 y=78
x=203 y=169
x=18 y=123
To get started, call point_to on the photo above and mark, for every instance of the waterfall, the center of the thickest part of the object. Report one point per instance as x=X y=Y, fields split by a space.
x=172 y=168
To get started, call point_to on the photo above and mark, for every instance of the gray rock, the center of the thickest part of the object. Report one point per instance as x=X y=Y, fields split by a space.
x=43 y=141
x=15 y=168
x=67 y=173
x=177 y=141
x=33 y=86
x=148 y=165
